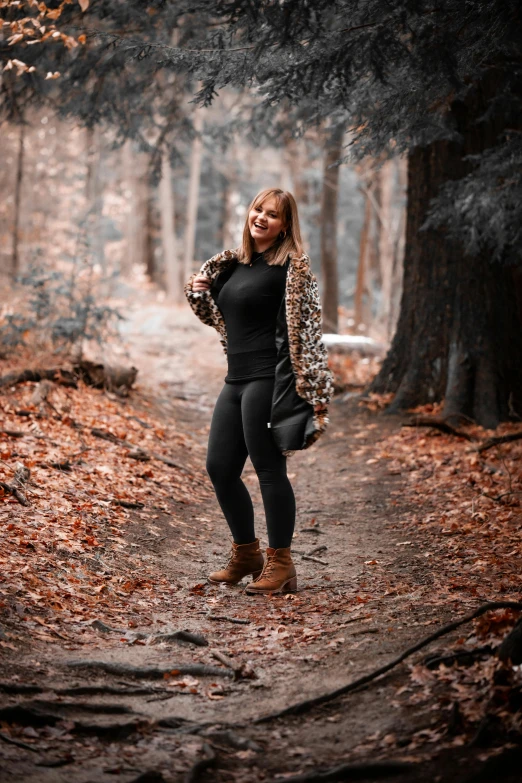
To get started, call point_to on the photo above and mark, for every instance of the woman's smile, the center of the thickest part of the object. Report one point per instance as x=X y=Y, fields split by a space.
x=265 y=224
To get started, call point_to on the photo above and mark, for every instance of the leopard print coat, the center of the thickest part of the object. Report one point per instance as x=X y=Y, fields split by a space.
x=308 y=354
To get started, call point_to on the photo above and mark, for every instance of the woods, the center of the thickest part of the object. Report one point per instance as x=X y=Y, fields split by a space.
x=134 y=137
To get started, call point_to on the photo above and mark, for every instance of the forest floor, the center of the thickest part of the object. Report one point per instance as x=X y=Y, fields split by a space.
x=399 y=531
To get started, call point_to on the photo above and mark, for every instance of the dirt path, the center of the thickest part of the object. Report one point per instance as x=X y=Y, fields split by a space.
x=366 y=596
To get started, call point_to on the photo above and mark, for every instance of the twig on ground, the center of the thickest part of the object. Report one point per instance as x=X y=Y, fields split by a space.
x=225 y=660
x=138 y=453
x=314 y=559
x=11 y=489
x=308 y=704
x=228 y=619
x=437 y=424
x=356 y=771
x=490 y=442
x=128 y=503
x=316 y=550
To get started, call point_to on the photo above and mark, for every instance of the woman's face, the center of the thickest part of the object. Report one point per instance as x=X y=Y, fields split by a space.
x=265 y=223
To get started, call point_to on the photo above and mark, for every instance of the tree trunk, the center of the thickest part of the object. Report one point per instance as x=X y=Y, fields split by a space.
x=295 y=159
x=15 y=258
x=385 y=177
x=168 y=232
x=329 y=201
x=459 y=335
x=135 y=173
x=362 y=296
x=193 y=194
x=94 y=194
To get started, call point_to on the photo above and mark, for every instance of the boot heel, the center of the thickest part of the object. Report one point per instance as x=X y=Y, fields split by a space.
x=291 y=586
x=256 y=574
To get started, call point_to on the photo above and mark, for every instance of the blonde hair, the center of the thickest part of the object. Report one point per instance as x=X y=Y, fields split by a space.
x=291 y=243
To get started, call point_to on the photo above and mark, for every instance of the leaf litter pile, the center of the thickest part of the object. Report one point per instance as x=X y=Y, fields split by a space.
x=91 y=487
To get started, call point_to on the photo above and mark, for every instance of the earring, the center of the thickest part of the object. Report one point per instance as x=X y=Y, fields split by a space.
x=282 y=234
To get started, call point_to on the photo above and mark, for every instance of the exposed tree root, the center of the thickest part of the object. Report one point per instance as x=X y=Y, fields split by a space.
x=18 y=743
x=511 y=647
x=462 y=656
x=357 y=771
x=152 y=672
x=208 y=760
x=438 y=424
x=308 y=704
x=171 y=636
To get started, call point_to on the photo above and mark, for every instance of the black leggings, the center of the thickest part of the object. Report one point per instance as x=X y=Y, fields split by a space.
x=239 y=429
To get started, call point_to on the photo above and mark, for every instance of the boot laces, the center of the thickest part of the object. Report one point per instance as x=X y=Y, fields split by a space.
x=269 y=565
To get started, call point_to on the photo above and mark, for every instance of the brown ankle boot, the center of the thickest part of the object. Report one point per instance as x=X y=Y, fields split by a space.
x=278 y=575
x=244 y=559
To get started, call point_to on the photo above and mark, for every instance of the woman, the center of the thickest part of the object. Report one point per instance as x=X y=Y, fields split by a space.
x=264 y=302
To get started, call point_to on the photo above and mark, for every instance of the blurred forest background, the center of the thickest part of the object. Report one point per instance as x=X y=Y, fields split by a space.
x=135 y=135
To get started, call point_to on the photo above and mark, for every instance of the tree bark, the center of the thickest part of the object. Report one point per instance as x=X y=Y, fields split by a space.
x=135 y=173
x=168 y=232
x=329 y=204
x=459 y=335
x=385 y=177
x=94 y=194
x=193 y=194
x=362 y=295
x=15 y=258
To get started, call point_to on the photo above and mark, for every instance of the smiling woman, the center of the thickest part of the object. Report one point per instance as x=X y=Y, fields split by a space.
x=272 y=226
x=263 y=300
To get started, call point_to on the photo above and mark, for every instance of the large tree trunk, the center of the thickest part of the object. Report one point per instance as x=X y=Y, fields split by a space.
x=329 y=201
x=459 y=335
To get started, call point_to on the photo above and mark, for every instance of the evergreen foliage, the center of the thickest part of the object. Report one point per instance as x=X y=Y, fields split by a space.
x=390 y=71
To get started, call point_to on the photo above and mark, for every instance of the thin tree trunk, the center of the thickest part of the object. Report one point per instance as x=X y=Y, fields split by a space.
x=168 y=231
x=94 y=193
x=329 y=203
x=150 y=257
x=361 y=286
x=193 y=194
x=385 y=176
x=295 y=160
x=15 y=258
x=227 y=208
x=135 y=172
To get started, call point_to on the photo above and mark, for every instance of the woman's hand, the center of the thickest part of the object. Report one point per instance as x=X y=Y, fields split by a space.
x=201 y=283
x=320 y=407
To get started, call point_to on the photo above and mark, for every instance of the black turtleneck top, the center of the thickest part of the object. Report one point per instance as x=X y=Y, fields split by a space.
x=249 y=301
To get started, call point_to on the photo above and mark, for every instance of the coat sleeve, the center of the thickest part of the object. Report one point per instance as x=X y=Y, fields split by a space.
x=202 y=302
x=314 y=379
